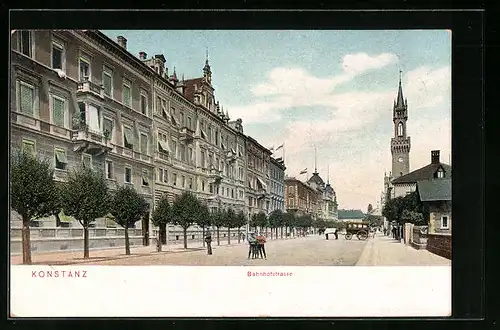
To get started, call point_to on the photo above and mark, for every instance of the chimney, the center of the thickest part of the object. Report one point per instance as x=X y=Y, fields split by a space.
x=435 y=156
x=122 y=41
x=142 y=56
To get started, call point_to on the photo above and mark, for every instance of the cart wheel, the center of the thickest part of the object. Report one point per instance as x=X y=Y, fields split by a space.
x=362 y=235
x=348 y=236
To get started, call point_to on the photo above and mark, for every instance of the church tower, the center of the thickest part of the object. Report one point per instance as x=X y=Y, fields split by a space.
x=400 y=143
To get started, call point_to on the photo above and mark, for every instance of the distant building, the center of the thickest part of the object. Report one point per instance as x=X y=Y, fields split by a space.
x=435 y=194
x=301 y=198
x=277 y=182
x=328 y=200
x=351 y=215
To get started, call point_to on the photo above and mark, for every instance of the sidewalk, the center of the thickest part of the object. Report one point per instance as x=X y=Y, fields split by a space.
x=76 y=257
x=386 y=251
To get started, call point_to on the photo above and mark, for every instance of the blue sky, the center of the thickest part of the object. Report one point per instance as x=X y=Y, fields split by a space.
x=329 y=90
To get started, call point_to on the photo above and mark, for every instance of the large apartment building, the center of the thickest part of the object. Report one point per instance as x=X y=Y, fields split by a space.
x=79 y=97
x=277 y=188
x=301 y=198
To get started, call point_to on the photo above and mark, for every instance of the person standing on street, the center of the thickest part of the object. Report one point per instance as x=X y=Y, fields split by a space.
x=261 y=241
x=252 y=245
x=208 y=240
x=336 y=233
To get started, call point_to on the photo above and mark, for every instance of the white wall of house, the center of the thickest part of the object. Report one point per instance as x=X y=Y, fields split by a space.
x=400 y=190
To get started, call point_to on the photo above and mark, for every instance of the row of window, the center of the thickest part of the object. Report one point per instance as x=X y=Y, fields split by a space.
x=61 y=162
x=58 y=61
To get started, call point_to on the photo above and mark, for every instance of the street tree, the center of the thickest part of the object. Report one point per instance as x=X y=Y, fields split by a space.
x=33 y=193
x=240 y=221
x=86 y=198
x=252 y=223
x=185 y=211
x=218 y=220
x=275 y=220
x=289 y=219
x=261 y=220
x=162 y=216
x=128 y=207
x=204 y=220
x=230 y=222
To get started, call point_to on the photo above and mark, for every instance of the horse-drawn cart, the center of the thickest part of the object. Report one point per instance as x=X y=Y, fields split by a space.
x=358 y=228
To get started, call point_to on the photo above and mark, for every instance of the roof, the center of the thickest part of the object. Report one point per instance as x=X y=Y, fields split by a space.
x=316 y=179
x=350 y=214
x=424 y=173
x=189 y=91
x=434 y=190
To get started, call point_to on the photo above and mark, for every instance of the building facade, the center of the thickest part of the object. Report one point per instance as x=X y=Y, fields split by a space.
x=79 y=97
x=327 y=203
x=301 y=198
x=277 y=184
x=258 y=197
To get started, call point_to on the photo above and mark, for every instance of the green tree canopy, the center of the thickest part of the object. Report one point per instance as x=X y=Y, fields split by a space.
x=240 y=219
x=276 y=218
x=261 y=220
x=33 y=193
x=162 y=214
x=128 y=207
x=185 y=212
x=86 y=198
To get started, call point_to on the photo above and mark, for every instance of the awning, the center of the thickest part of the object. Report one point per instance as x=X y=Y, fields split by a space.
x=129 y=137
x=223 y=146
x=264 y=186
x=203 y=135
x=145 y=179
x=61 y=157
x=234 y=152
x=173 y=120
x=239 y=154
x=165 y=112
x=164 y=146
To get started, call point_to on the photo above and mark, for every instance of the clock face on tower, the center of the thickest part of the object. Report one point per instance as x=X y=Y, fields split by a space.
x=400 y=159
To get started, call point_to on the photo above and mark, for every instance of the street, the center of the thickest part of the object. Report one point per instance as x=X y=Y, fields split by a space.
x=304 y=251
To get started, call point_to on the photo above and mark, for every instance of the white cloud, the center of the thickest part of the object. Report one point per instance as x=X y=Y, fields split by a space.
x=361 y=62
x=357 y=162
x=294 y=87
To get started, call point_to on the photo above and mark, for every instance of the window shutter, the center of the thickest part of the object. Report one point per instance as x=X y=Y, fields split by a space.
x=27 y=99
x=107 y=84
x=58 y=111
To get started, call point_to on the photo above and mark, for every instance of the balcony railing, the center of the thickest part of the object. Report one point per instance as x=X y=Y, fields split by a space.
x=60 y=175
x=90 y=141
x=88 y=86
x=186 y=134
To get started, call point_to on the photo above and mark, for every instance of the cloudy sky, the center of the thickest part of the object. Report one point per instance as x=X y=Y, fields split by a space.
x=329 y=90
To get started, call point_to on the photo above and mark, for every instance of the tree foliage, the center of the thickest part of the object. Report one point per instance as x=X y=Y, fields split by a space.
x=186 y=212
x=86 y=198
x=128 y=207
x=276 y=219
x=162 y=214
x=394 y=208
x=261 y=220
x=33 y=193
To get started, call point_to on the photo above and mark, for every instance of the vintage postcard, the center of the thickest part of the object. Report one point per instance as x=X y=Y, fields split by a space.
x=197 y=171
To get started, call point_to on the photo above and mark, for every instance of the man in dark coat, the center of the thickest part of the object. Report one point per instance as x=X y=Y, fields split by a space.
x=208 y=240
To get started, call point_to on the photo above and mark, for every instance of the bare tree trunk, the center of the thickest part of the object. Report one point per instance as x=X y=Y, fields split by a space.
x=239 y=235
x=26 y=241
x=127 y=242
x=281 y=229
x=85 y=240
x=218 y=236
x=203 y=236
x=228 y=235
x=272 y=229
x=184 y=230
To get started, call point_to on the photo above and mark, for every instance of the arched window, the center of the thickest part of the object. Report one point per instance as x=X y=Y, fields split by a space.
x=400 y=129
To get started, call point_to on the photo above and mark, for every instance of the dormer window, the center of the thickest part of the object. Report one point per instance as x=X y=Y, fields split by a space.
x=440 y=173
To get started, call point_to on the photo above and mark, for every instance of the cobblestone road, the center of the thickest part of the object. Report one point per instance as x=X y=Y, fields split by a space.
x=304 y=251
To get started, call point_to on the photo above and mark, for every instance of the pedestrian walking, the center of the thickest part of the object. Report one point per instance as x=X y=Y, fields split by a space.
x=336 y=233
x=208 y=240
x=394 y=232
x=326 y=236
x=261 y=241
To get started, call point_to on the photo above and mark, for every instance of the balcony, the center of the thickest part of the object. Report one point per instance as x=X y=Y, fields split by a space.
x=60 y=175
x=88 y=141
x=92 y=88
x=186 y=134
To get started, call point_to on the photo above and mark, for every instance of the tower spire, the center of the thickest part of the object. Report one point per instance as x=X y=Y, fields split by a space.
x=315 y=162
x=400 y=101
x=328 y=174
